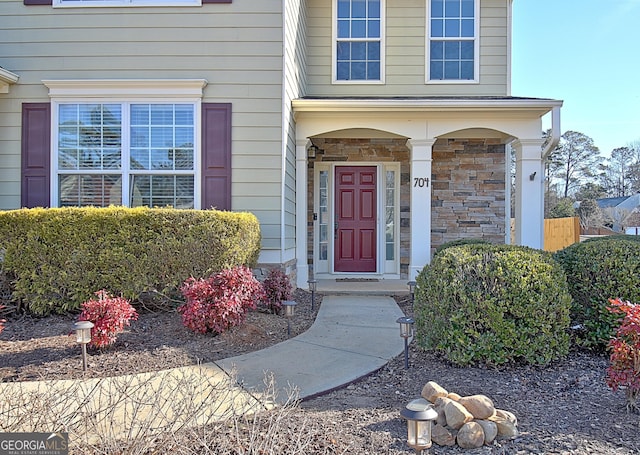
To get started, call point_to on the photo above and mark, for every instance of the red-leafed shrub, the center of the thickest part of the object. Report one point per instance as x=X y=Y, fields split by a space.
x=277 y=287
x=110 y=315
x=624 y=369
x=221 y=301
x=2 y=321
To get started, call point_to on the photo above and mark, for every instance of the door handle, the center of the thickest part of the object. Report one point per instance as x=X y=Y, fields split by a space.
x=335 y=231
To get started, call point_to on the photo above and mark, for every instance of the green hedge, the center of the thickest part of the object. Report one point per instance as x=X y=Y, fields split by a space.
x=494 y=305
x=60 y=257
x=598 y=270
x=631 y=238
x=459 y=242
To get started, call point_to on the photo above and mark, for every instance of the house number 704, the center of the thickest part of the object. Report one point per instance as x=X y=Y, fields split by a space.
x=420 y=182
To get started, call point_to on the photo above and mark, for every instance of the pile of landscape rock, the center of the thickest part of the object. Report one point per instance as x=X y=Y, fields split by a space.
x=470 y=421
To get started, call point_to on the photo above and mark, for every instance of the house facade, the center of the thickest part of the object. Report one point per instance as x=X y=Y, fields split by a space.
x=622 y=212
x=362 y=133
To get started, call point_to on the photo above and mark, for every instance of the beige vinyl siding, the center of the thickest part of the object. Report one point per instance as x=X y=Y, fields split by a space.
x=294 y=86
x=236 y=47
x=9 y=142
x=405 y=53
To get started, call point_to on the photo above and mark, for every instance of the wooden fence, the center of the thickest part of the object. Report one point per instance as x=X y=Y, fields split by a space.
x=561 y=232
x=558 y=232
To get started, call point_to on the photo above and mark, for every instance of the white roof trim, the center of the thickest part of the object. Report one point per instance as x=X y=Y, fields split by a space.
x=424 y=105
x=130 y=88
x=6 y=79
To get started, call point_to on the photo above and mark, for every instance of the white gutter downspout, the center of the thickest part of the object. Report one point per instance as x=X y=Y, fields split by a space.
x=546 y=151
x=555 y=133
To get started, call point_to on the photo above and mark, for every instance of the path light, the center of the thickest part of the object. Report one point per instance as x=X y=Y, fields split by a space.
x=83 y=336
x=419 y=414
x=406 y=332
x=289 y=310
x=412 y=291
x=313 y=284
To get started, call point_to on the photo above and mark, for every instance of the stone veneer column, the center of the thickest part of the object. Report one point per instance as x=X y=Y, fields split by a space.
x=420 y=183
x=529 y=197
x=302 y=266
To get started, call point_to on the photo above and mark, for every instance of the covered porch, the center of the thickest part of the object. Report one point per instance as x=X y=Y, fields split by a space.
x=412 y=173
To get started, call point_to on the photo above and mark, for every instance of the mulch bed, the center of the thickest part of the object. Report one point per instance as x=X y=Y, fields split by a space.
x=565 y=408
x=45 y=348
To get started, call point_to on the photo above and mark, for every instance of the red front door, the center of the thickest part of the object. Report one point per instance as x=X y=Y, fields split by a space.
x=355 y=227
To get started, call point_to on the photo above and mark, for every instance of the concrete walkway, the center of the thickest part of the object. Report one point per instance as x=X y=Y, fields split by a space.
x=352 y=337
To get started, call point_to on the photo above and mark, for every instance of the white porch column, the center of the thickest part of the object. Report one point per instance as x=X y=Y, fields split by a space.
x=302 y=266
x=529 y=197
x=420 y=222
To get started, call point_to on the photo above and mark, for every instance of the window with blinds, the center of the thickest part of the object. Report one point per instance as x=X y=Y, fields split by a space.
x=132 y=154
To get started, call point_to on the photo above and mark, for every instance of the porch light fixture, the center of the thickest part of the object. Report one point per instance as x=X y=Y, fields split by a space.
x=406 y=332
x=311 y=151
x=289 y=310
x=83 y=336
x=412 y=291
x=419 y=414
x=313 y=285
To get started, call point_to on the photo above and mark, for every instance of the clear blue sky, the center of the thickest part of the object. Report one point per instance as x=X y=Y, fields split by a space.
x=586 y=53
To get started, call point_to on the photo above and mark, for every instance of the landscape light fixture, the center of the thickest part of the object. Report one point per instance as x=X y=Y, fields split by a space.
x=412 y=291
x=313 y=285
x=289 y=310
x=406 y=332
x=83 y=336
x=419 y=414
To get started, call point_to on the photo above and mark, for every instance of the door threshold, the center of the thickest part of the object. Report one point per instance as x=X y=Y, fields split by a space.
x=391 y=287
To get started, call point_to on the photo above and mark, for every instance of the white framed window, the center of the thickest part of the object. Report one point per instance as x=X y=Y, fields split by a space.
x=453 y=41
x=125 y=151
x=358 y=37
x=105 y=3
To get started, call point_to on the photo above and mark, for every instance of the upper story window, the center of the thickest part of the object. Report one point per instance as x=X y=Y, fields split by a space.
x=89 y=3
x=359 y=41
x=452 y=44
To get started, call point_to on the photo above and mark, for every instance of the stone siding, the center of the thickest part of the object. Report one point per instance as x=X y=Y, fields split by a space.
x=468 y=193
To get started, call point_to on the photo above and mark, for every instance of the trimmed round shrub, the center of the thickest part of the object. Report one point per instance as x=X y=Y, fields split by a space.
x=493 y=305
x=631 y=238
x=460 y=242
x=597 y=271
